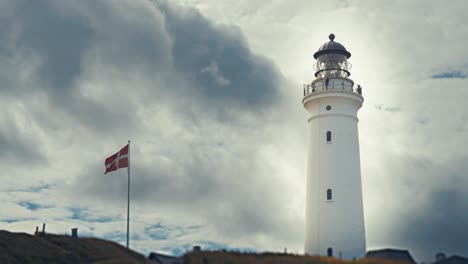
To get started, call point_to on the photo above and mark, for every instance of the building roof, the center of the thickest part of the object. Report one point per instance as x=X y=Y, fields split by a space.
x=332 y=47
x=391 y=254
x=453 y=260
x=163 y=259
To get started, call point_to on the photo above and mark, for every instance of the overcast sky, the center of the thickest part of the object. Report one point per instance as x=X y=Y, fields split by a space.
x=210 y=94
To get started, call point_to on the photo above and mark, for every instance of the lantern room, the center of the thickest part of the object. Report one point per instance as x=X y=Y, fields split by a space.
x=332 y=60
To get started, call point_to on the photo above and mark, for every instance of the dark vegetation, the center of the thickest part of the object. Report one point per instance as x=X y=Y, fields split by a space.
x=223 y=257
x=48 y=248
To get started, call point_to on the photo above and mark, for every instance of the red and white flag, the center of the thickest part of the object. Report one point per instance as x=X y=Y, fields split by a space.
x=117 y=161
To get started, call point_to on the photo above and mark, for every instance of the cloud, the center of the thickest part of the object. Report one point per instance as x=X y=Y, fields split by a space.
x=32 y=206
x=88 y=216
x=197 y=169
x=381 y=107
x=16 y=143
x=435 y=216
x=200 y=45
x=187 y=91
x=164 y=232
x=200 y=180
x=450 y=75
x=218 y=133
x=213 y=71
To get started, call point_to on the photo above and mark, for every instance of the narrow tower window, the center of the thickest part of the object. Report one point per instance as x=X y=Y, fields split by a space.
x=329 y=136
x=329 y=195
x=330 y=252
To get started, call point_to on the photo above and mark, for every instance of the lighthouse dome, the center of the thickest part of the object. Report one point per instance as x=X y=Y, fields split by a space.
x=332 y=47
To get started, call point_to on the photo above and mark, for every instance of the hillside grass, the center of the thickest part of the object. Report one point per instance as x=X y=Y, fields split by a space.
x=48 y=248
x=223 y=257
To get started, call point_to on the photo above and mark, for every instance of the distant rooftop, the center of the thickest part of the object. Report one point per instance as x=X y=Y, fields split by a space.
x=391 y=254
x=453 y=260
x=163 y=259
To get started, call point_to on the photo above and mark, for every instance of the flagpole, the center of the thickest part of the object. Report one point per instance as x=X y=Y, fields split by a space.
x=128 y=197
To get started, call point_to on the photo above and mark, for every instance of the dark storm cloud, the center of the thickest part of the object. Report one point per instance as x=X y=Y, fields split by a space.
x=179 y=52
x=16 y=147
x=92 y=71
x=36 y=32
x=60 y=40
x=42 y=57
x=442 y=223
x=218 y=62
x=205 y=76
x=437 y=218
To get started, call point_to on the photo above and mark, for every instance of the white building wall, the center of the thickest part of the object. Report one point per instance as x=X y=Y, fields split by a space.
x=338 y=224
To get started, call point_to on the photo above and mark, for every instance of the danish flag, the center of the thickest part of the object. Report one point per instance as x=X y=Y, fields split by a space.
x=117 y=161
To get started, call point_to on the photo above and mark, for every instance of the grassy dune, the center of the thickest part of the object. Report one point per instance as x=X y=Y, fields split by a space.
x=221 y=257
x=25 y=248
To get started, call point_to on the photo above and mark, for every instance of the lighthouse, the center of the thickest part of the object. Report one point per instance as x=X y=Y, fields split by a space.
x=334 y=206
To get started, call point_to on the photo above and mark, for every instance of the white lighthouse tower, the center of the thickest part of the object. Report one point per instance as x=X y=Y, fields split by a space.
x=334 y=210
